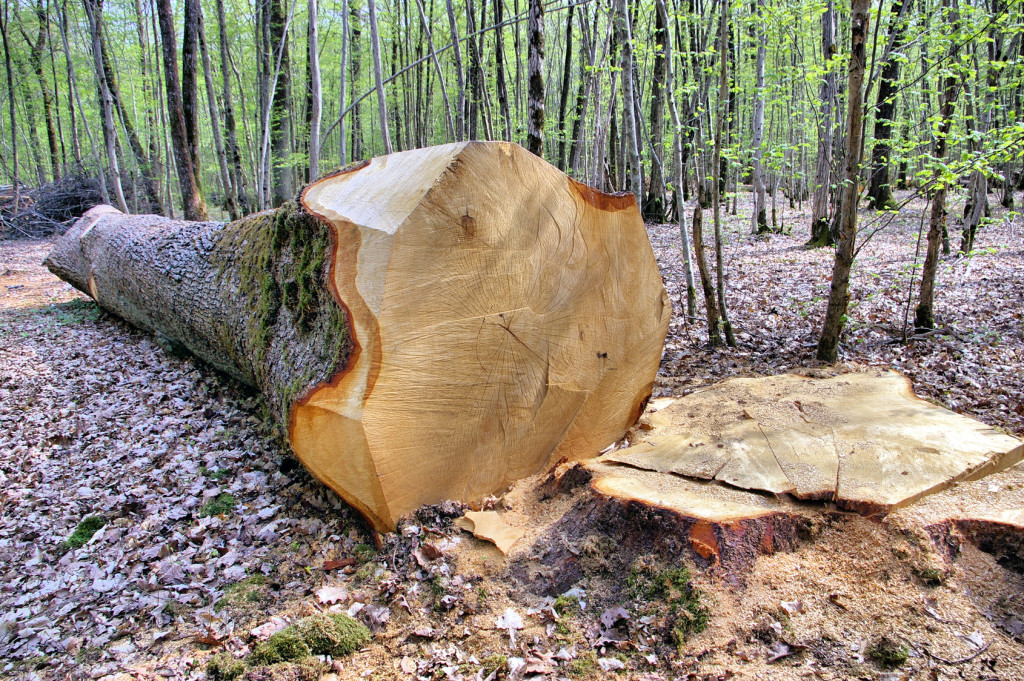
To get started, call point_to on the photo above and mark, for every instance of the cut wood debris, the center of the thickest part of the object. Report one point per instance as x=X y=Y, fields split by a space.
x=862 y=440
x=490 y=526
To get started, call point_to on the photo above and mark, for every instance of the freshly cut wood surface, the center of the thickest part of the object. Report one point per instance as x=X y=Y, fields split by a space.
x=434 y=324
x=861 y=440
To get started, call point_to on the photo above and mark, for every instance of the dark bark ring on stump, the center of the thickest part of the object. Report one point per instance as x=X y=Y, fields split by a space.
x=429 y=325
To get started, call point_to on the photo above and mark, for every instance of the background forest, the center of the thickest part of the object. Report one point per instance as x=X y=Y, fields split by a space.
x=263 y=96
x=225 y=109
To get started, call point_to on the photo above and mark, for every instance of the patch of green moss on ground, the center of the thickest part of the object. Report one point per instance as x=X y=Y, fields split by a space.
x=584 y=666
x=283 y=646
x=222 y=503
x=336 y=635
x=332 y=634
x=249 y=590
x=224 y=667
x=84 y=532
x=888 y=653
x=672 y=586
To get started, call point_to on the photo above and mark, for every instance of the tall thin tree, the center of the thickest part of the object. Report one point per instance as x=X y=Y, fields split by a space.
x=839 y=293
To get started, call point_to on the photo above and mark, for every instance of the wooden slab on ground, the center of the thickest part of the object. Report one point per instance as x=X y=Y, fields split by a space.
x=861 y=440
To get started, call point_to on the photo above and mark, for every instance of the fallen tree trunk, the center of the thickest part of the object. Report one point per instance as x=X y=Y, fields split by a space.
x=428 y=325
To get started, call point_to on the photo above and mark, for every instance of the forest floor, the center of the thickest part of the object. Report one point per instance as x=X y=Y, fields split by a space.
x=211 y=535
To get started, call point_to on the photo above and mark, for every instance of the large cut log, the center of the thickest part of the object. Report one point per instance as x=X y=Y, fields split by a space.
x=428 y=325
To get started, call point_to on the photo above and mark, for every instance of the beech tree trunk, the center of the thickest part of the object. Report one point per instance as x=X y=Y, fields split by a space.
x=335 y=307
x=95 y=14
x=839 y=295
x=924 y=317
x=188 y=180
x=821 y=232
x=535 y=88
x=760 y=216
x=880 y=185
x=378 y=76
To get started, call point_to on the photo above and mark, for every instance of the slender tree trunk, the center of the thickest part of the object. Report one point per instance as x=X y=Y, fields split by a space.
x=654 y=203
x=473 y=84
x=677 y=148
x=563 y=99
x=95 y=14
x=234 y=158
x=499 y=69
x=924 y=317
x=759 y=217
x=379 y=78
x=839 y=295
x=191 y=196
x=316 y=96
x=343 y=71
x=630 y=129
x=977 y=205
x=281 y=110
x=449 y=121
x=38 y=47
x=460 y=111
x=152 y=153
x=535 y=114
x=230 y=200
x=147 y=179
x=15 y=184
x=821 y=234
x=713 y=314
x=190 y=84
x=76 y=144
x=880 y=184
x=716 y=190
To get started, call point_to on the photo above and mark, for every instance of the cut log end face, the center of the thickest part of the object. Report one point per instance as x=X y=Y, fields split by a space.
x=505 y=320
x=430 y=325
x=863 y=441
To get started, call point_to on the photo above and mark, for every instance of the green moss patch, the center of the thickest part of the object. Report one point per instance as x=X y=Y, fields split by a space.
x=220 y=504
x=84 y=532
x=336 y=635
x=224 y=667
x=281 y=259
x=332 y=634
x=674 y=588
x=888 y=653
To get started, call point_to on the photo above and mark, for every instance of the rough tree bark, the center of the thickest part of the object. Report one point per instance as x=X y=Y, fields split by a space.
x=535 y=89
x=821 y=233
x=880 y=185
x=839 y=296
x=924 y=317
x=335 y=306
x=759 y=217
x=191 y=197
x=378 y=76
x=95 y=13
